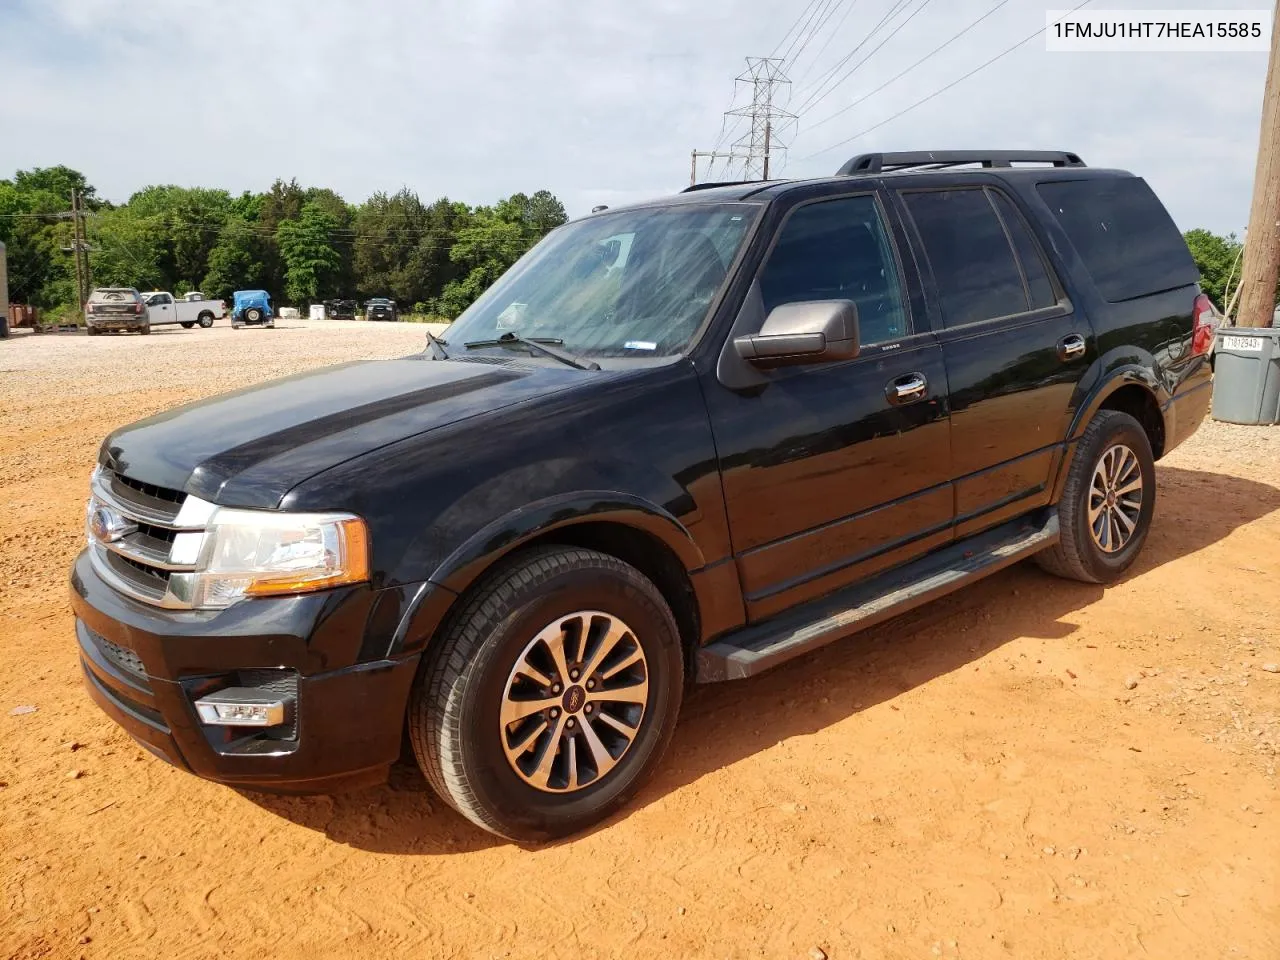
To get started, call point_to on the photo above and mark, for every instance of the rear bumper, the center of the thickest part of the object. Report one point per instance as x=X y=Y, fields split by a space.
x=145 y=668
x=122 y=322
x=1186 y=410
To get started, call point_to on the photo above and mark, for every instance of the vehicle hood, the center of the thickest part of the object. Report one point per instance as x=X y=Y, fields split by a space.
x=250 y=447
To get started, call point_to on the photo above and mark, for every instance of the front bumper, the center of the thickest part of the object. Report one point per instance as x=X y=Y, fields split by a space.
x=145 y=667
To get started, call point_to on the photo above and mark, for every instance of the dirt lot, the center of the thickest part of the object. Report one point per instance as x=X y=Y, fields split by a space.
x=1030 y=768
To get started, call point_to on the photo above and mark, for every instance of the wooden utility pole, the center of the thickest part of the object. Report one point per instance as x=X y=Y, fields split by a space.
x=768 y=135
x=75 y=247
x=1261 y=271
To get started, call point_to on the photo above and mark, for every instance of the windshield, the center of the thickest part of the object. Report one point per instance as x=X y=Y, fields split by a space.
x=629 y=284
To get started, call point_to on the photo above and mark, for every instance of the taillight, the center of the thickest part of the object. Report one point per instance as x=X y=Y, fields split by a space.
x=1203 y=326
x=137 y=308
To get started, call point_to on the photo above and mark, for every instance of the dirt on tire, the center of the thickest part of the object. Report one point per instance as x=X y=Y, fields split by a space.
x=1029 y=768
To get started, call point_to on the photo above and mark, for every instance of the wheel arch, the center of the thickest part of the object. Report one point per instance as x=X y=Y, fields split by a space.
x=1133 y=390
x=628 y=528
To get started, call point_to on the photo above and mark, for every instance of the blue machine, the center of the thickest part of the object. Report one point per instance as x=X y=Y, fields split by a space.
x=252 y=306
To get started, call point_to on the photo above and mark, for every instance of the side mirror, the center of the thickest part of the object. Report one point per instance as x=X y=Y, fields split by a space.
x=815 y=331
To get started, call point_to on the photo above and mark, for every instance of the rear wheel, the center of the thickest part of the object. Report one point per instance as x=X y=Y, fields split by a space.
x=550 y=696
x=188 y=324
x=145 y=329
x=253 y=315
x=93 y=331
x=205 y=320
x=1107 y=502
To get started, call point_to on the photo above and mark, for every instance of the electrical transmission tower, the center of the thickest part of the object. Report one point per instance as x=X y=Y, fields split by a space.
x=757 y=146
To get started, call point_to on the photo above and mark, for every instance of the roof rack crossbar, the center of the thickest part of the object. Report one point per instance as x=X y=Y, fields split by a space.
x=938 y=159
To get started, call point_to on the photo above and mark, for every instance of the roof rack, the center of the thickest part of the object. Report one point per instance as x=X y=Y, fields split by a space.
x=723 y=183
x=939 y=159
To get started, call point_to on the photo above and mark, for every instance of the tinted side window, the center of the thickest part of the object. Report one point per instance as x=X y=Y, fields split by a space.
x=839 y=250
x=1033 y=265
x=973 y=264
x=1123 y=233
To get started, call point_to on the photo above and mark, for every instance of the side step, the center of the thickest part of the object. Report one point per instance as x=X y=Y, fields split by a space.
x=760 y=646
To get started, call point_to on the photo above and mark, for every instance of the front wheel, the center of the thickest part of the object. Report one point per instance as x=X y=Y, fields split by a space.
x=551 y=695
x=1107 y=502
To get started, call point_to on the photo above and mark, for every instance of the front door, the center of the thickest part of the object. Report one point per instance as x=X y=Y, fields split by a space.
x=834 y=471
x=1015 y=349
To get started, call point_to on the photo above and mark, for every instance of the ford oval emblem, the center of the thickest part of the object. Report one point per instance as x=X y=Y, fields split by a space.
x=108 y=525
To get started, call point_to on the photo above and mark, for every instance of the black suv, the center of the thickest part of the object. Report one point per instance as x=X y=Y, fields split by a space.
x=685 y=440
x=380 y=309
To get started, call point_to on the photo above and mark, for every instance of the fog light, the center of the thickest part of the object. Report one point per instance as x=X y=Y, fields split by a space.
x=243 y=707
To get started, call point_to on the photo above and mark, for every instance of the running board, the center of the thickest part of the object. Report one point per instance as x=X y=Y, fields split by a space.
x=760 y=646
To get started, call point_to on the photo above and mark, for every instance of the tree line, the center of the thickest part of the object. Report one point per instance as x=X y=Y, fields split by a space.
x=308 y=244
x=302 y=244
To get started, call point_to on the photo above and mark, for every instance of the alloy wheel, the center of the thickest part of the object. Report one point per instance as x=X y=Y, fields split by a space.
x=1115 y=498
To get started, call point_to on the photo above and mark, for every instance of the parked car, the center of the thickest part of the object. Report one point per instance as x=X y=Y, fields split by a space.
x=380 y=309
x=252 y=308
x=118 y=309
x=721 y=430
x=341 y=309
x=191 y=310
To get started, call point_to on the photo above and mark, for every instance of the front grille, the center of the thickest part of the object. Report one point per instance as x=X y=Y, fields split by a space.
x=140 y=562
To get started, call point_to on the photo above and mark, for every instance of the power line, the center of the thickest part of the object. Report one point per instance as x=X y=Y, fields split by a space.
x=861 y=63
x=942 y=90
x=822 y=21
x=822 y=81
x=817 y=57
x=803 y=14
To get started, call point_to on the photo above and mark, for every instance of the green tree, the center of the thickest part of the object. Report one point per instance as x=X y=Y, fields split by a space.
x=1218 y=258
x=237 y=262
x=306 y=247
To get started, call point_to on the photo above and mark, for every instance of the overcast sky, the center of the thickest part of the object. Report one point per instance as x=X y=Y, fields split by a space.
x=599 y=102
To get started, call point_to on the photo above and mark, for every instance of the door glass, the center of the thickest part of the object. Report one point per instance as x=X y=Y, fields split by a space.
x=839 y=250
x=1033 y=264
x=973 y=264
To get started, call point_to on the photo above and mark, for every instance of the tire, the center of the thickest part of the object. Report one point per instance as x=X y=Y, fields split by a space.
x=1081 y=554
x=145 y=329
x=93 y=331
x=188 y=324
x=252 y=315
x=205 y=320
x=463 y=685
x=270 y=324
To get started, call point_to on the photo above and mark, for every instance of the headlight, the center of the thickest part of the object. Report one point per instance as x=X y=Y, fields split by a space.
x=251 y=553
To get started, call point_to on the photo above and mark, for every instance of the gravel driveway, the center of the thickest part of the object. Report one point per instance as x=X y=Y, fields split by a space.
x=1029 y=768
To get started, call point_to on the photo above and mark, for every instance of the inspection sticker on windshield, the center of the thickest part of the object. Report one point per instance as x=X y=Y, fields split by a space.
x=1245 y=344
x=639 y=345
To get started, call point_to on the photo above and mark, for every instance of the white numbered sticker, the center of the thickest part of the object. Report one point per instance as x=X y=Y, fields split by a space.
x=1244 y=344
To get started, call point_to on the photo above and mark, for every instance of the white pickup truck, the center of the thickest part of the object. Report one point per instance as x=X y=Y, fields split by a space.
x=191 y=310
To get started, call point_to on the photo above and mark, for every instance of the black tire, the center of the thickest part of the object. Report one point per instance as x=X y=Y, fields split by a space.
x=252 y=315
x=145 y=329
x=93 y=331
x=457 y=699
x=1078 y=555
x=188 y=324
x=205 y=320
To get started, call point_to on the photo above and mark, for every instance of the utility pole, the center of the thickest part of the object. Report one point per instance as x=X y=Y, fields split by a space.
x=754 y=149
x=75 y=248
x=1261 y=271
x=713 y=156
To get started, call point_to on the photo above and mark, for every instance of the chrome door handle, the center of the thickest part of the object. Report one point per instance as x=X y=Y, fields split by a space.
x=1071 y=346
x=908 y=389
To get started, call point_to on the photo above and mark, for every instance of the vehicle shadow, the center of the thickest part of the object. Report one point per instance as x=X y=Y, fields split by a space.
x=721 y=724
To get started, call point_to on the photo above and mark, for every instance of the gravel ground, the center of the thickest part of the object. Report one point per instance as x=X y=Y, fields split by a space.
x=1028 y=768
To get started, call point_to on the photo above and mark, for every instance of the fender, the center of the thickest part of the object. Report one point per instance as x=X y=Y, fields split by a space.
x=431 y=600
x=1108 y=383
x=458 y=570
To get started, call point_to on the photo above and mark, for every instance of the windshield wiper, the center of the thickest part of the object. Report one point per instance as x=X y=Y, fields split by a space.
x=538 y=345
x=437 y=347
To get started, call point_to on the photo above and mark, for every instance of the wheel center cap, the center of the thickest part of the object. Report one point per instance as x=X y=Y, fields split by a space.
x=1111 y=498
x=575 y=698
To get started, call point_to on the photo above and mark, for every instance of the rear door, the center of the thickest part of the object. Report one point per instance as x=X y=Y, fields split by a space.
x=1014 y=347
x=834 y=471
